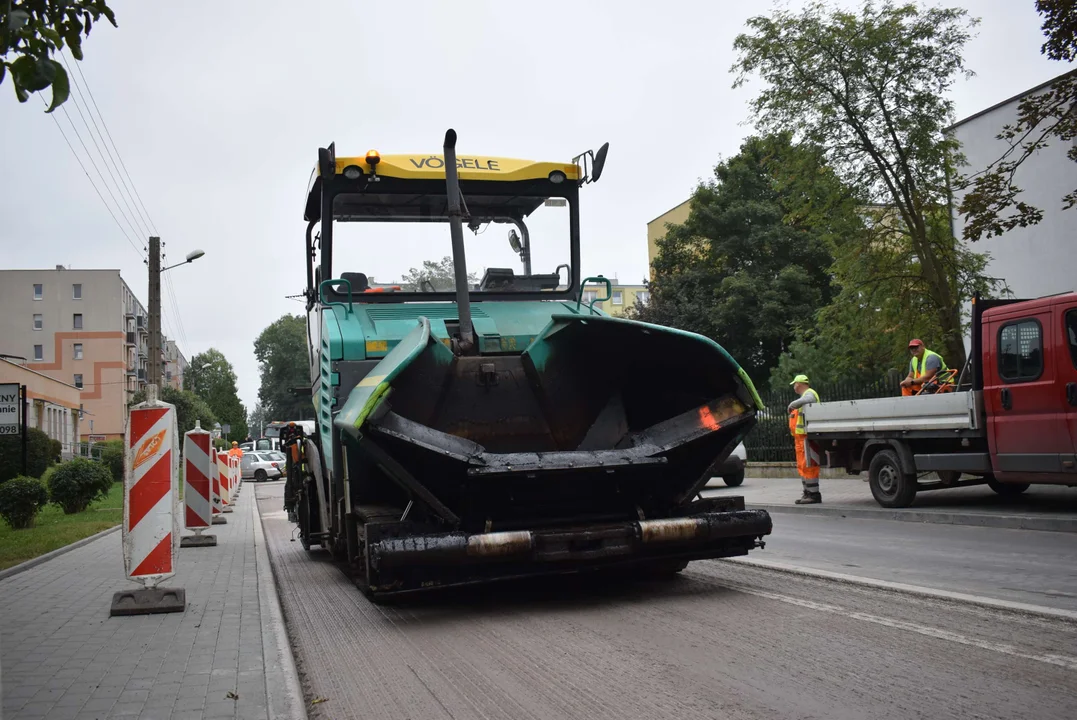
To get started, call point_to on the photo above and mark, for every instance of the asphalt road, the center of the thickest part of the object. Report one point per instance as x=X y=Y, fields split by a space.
x=1039 y=568
x=722 y=640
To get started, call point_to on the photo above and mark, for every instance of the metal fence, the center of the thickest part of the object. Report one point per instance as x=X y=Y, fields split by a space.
x=770 y=441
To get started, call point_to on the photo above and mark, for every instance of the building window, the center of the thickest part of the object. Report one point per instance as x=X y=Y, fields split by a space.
x=589 y=296
x=644 y=297
x=77 y=321
x=39 y=352
x=39 y=291
x=76 y=291
x=78 y=381
x=618 y=297
x=39 y=321
x=78 y=351
x=1020 y=351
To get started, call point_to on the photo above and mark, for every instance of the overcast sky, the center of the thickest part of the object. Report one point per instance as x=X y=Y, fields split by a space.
x=218 y=109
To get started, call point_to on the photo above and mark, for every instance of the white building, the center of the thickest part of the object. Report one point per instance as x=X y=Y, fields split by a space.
x=1037 y=260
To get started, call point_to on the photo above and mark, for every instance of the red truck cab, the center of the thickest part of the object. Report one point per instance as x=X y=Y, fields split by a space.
x=1029 y=375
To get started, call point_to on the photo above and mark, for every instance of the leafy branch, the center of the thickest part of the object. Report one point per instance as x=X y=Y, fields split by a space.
x=32 y=31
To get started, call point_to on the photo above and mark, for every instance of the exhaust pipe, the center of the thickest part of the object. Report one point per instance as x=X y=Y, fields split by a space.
x=456 y=229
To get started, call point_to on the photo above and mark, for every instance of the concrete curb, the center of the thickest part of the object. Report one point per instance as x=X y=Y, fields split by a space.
x=916 y=590
x=33 y=562
x=284 y=694
x=941 y=517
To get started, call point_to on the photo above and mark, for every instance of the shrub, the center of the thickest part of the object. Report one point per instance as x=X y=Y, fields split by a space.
x=20 y=500
x=112 y=458
x=76 y=484
x=56 y=450
x=38 y=454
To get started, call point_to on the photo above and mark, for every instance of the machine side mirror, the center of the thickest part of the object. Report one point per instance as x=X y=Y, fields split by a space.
x=599 y=162
x=514 y=241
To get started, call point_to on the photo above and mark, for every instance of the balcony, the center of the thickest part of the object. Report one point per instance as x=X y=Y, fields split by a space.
x=142 y=353
x=130 y=338
x=131 y=372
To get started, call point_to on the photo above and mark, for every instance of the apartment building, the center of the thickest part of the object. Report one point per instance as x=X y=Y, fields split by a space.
x=1035 y=260
x=656 y=229
x=82 y=327
x=175 y=365
x=621 y=299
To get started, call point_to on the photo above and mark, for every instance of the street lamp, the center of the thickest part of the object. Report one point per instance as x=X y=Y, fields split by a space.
x=155 y=304
x=191 y=257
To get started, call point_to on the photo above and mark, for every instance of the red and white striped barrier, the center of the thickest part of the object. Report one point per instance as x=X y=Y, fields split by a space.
x=237 y=476
x=197 y=504
x=215 y=487
x=150 y=525
x=225 y=473
x=150 y=531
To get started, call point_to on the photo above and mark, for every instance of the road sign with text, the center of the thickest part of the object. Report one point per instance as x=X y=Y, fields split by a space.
x=10 y=410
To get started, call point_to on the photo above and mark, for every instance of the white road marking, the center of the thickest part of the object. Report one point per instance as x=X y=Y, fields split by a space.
x=994 y=603
x=1065 y=661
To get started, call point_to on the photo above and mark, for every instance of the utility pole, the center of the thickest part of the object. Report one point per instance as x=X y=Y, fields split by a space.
x=155 y=311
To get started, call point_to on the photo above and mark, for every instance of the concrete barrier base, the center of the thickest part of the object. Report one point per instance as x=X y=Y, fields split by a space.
x=148 y=601
x=218 y=520
x=198 y=541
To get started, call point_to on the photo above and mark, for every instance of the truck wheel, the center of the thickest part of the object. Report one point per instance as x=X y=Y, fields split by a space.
x=889 y=485
x=948 y=477
x=1006 y=489
x=733 y=479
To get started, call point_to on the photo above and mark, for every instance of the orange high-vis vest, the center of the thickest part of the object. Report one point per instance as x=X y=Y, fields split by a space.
x=797 y=424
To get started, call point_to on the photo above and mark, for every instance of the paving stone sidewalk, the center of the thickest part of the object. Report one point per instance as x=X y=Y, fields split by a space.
x=62 y=657
x=1041 y=507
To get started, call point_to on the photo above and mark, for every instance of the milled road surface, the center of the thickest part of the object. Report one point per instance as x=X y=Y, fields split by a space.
x=719 y=641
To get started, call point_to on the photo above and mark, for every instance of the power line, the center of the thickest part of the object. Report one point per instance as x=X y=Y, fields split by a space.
x=149 y=220
x=136 y=206
x=175 y=308
x=104 y=159
x=94 y=163
x=98 y=191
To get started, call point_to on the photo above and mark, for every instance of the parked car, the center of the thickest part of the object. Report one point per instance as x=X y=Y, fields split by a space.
x=261 y=466
x=732 y=470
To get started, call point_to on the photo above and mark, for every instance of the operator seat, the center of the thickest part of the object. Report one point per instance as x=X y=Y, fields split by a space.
x=359 y=281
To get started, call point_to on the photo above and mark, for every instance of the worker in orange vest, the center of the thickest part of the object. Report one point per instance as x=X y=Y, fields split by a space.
x=807 y=452
x=236 y=450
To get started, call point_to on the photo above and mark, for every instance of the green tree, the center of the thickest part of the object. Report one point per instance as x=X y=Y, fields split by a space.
x=880 y=306
x=440 y=275
x=741 y=270
x=992 y=203
x=871 y=89
x=32 y=31
x=189 y=407
x=210 y=376
x=257 y=419
x=284 y=361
